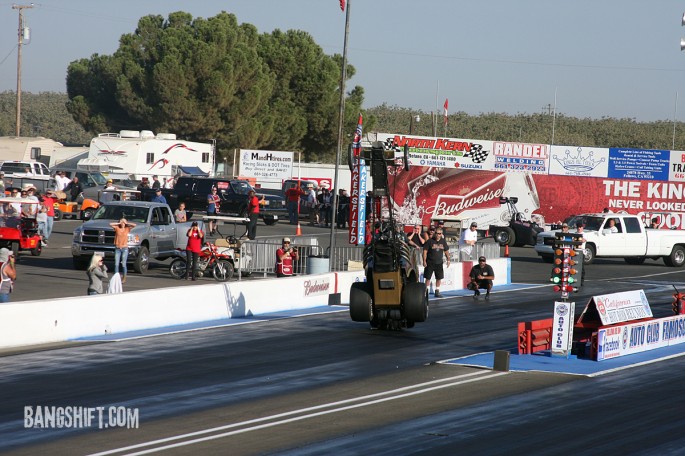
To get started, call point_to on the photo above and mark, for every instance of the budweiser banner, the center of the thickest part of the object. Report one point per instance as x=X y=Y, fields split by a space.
x=463 y=179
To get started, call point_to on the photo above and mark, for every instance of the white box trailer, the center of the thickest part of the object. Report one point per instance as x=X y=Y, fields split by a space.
x=144 y=154
x=20 y=148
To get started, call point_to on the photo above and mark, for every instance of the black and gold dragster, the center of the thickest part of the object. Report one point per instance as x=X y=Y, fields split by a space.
x=392 y=296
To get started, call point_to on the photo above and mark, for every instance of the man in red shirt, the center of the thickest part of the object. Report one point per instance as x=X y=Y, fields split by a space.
x=195 y=239
x=292 y=196
x=253 y=214
x=284 y=259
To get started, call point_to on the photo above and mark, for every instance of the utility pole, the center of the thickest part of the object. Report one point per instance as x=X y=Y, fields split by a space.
x=20 y=42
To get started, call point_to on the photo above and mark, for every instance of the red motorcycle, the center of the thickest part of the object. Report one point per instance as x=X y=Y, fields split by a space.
x=210 y=259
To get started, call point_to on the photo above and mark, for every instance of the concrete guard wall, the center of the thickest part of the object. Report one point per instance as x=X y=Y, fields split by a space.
x=47 y=321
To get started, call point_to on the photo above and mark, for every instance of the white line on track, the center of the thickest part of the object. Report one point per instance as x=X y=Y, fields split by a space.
x=339 y=406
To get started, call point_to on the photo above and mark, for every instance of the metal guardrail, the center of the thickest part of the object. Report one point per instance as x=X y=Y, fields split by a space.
x=263 y=254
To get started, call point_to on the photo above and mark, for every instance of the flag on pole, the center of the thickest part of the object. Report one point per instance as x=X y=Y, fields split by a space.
x=342 y=5
x=445 y=112
x=357 y=142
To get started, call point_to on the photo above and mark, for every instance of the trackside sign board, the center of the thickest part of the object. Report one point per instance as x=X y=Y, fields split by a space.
x=265 y=165
x=617 y=308
x=639 y=337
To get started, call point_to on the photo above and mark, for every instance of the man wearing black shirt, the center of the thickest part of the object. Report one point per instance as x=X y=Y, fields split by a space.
x=433 y=251
x=482 y=276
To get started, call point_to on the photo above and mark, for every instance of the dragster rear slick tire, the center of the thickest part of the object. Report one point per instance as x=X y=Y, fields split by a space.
x=415 y=300
x=361 y=308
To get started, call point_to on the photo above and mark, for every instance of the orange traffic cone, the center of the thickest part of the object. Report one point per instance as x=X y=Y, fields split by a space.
x=298 y=231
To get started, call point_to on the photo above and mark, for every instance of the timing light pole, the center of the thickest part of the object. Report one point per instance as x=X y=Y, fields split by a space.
x=21 y=35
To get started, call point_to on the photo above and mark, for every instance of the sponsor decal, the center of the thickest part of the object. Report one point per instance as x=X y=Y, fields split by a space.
x=316 y=287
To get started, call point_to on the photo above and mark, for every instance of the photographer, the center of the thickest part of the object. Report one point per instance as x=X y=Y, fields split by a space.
x=284 y=259
x=195 y=240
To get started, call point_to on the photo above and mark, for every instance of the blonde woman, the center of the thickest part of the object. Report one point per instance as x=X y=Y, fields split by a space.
x=97 y=271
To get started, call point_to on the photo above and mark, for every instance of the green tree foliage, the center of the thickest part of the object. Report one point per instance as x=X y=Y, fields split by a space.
x=215 y=79
x=43 y=114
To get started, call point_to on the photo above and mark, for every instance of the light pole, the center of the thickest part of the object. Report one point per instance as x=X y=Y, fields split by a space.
x=414 y=118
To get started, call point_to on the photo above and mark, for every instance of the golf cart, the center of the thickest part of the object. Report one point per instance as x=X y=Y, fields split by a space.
x=18 y=226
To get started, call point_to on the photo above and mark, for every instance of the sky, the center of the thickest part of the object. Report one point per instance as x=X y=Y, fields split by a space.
x=590 y=59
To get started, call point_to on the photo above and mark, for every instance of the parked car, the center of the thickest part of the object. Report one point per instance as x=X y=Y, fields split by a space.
x=193 y=192
x=23 y=169
x=630 y=240
x=156 y=234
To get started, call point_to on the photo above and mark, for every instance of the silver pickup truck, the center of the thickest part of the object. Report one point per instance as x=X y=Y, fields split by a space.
x=156 y=234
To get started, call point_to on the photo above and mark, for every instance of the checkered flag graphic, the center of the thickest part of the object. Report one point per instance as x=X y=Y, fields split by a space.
x=477 y=154
x=389 y=144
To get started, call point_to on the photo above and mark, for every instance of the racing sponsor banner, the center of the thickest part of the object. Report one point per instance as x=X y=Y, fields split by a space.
x=676 y=170
x=579 y=161
x=640 y=164
x=357 y=230
x=447 y=181
x=562 y=328
x=618 y=307
x=639 y=337
x=265 y=164
x=441 y=152
x=533 y=158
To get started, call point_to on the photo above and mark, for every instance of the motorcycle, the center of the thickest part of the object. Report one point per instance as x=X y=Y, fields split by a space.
x=210 y=259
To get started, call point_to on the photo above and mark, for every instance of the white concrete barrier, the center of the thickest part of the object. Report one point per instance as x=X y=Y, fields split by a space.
x=58 y=320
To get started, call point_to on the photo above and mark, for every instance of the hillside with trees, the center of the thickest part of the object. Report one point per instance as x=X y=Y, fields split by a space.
x=214 y=78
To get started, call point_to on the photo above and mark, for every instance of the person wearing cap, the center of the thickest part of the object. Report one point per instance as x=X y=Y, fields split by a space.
x=8 y=274
x=468 y=240
x=654 y=223
x=196 y=238
x=158 y=198
x=481 y=276
x=564 y=227
x=435 y=251
x=253 y=214
x=284 y=259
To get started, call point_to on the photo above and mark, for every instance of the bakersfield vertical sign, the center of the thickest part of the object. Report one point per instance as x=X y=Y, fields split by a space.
x=358 y=203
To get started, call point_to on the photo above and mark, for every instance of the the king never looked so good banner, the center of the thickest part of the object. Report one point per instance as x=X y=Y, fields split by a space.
x=463 y=179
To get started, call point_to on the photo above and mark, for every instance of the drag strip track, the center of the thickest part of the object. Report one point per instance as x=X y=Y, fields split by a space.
x=322 y=384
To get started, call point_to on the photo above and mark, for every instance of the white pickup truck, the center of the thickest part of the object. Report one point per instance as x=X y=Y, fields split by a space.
x=631 y=240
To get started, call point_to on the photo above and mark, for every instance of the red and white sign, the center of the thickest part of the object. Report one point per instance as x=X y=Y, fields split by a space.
x=620 y=307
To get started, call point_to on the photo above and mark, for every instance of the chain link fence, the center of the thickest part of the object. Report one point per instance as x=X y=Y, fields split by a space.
x=313 y=258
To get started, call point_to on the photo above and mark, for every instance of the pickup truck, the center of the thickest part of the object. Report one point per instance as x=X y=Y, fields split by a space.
x=193 y=191
x=156 y=234
x=631 y=240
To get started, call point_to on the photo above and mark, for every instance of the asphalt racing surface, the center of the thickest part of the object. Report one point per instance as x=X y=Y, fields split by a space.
x=319 y=383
